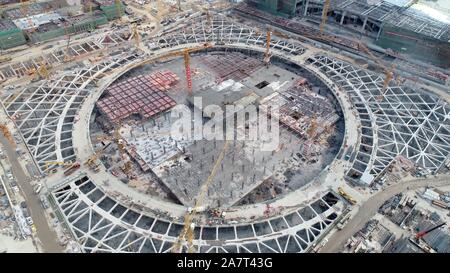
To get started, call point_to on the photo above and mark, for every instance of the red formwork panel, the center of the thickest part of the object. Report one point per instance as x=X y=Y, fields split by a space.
x=143 y=95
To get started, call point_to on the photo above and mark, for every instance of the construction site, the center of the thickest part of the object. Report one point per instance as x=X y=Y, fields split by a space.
x=136 y=110
x=223 y=127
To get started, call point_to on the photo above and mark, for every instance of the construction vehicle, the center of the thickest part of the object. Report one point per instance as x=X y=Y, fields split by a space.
x=346 y=196
x=37 y=188
x=7 y=134
x=92 y=162
x=421 y=234
x=72 y=168
x=326 y=6
x=340 y=225
x=41 y=72
x=58 y=163
x=418 y=239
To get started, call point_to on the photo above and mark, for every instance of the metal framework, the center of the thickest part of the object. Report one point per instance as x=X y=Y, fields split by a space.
x=58 y=56
x=405 y=122
x=101 y=224
x=45 y=114
x=221 y=31
x=379 y=13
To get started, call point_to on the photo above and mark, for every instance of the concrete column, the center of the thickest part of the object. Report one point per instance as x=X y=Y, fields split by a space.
x=364 y=24
x=379 y=32
x=343 y=17
x=306 y=8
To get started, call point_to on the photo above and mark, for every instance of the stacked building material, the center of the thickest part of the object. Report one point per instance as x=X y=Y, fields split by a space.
x=143 y=95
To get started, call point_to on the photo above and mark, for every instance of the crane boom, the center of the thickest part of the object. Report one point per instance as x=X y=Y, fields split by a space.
x=423 y=233
x=187 y=68
x=187 y=234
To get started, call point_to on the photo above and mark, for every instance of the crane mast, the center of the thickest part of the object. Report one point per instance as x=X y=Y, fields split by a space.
x=326 y=6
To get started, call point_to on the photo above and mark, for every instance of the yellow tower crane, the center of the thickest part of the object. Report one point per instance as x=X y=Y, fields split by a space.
x=389 y=72
x=313 y=127
x=119 y=9
x=136 y=36
x=24 y=7
x=187 y=234
x=326 y=7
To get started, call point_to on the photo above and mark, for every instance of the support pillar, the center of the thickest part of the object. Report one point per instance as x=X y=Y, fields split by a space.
x=364 y=24
x=343 y=17
x=305 y=12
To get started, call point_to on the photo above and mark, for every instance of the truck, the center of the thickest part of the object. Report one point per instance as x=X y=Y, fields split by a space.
x=340 y=225
x=38 y=188
x=72 y=168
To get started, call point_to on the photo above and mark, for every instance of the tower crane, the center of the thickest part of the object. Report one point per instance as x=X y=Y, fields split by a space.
x=312 y=128
x=326 y=6
x=187 y=63
x=121 y=146
x=187 y=234
x=24 y=7
x=389 y=72
x=119 y=9
x=135 y=35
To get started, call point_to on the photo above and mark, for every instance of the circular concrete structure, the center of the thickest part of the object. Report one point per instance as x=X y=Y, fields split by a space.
x=291 y=178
